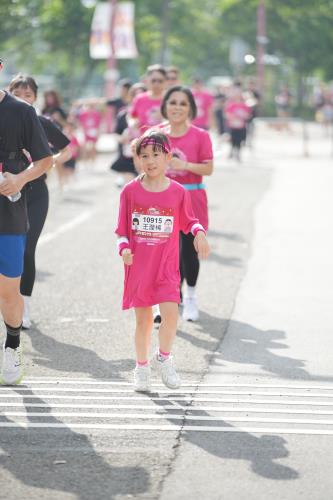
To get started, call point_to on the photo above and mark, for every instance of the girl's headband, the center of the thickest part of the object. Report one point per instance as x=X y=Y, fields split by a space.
x=151 y=141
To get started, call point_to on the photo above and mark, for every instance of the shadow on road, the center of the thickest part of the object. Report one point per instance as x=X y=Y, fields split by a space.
x=261 y=452
x=248 y=345
x=32 y=455
x=70 y=358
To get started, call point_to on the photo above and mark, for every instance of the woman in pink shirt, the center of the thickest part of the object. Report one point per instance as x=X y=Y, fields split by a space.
x=238 y=114
x=204 y=102
x=146 y=106
x=192 y=158
x=153 y=210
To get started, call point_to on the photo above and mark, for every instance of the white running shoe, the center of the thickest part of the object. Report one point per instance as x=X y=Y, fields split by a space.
x=190 y=309
x=142 y=378
x=12 y=365
x=167 y=371
x=26 y=323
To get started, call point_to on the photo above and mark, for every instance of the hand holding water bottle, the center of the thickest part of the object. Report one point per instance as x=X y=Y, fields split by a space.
x=10 y=185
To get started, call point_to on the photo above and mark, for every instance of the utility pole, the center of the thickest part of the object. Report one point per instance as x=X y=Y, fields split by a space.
x=111 y=71
x=261 y=42
x=165 y=31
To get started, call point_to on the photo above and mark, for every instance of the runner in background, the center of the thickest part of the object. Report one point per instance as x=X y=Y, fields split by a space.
x=252 y=100
x=89 y=117
x=153 y=210
x=19 y=128
x=219 y=115
x=283 y=107
x=126 y=132
x=173 y=76
x=237 y=114
x=192 y=158
x=146 y=107
x=122 y=101
x=53 y=107
x=25 y=88
x=69 y=166
x=204 y=101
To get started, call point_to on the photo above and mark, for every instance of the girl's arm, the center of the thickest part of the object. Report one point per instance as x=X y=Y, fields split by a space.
x=197 y=168
x=121 y=231
x=64 y=155
x=190 y=224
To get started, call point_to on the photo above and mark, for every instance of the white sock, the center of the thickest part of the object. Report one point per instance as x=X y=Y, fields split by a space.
x=26 y=300
x=190 y=292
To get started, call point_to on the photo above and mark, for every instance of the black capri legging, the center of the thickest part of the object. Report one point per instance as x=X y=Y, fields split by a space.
x=38 y=204
x=189 y=261
x=238 y=136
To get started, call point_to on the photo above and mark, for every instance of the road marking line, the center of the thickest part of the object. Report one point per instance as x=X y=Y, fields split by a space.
x=165 y=416
x=186 y=384
x=97 y=320
x=175 y=427
x=46 y=238
x=168 y=407
x=178 y=391
x=170 y=398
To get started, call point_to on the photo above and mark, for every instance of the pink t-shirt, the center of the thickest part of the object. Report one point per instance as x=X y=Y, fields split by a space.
x=90 y=121
x=146 y=110
x=151 y=222
x=204 y=101
x=74 y=146
x=237 y=114
x=195 y=146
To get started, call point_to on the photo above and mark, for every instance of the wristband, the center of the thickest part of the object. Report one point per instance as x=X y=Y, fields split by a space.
x=122 y=247
x=196 y=228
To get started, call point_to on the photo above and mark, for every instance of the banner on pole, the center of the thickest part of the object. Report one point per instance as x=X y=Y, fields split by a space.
x=123 y=37
x=123 y=32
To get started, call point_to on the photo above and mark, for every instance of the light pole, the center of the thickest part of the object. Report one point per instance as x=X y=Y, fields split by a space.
x=111 y=71
x=261 y=42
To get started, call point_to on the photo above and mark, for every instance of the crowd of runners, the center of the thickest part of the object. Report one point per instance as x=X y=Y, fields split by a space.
x=164 y=153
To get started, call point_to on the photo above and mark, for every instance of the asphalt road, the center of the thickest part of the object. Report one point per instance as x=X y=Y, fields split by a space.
x=75 y=430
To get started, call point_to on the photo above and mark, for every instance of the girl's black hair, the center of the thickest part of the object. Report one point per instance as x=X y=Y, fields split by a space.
x=185 y=90
x=154 y=138
x=24 y=81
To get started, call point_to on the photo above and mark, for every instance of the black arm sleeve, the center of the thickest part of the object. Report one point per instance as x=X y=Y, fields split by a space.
x=54 y=135
x=34 y=138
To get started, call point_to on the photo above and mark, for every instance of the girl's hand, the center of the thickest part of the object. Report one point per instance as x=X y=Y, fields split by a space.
x=11 y=184
x=177 y=164
x=201 y=245
x=127 y=256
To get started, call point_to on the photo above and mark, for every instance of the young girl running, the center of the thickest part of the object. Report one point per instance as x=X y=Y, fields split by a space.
x=153 y=210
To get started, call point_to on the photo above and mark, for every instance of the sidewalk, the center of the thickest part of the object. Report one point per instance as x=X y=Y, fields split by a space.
x=272 y=373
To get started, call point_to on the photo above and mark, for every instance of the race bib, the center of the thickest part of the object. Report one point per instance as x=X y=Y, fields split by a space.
x=152 y=225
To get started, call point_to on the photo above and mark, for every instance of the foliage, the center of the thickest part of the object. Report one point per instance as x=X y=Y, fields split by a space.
x=51 y=36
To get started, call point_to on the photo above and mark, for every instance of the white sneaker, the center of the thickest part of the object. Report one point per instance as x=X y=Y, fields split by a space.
x=190 y=309
x=26 y=323
x=142 y=378
x=167 y=371
x=12 y=365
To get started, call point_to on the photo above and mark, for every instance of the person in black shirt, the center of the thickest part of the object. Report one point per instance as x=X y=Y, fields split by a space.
x=20 y=130
x=25 y=88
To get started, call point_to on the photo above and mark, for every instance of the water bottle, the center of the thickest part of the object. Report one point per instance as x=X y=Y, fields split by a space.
x=11 y=197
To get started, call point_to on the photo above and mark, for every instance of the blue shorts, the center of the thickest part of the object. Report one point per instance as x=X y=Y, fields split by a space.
x=12 y=248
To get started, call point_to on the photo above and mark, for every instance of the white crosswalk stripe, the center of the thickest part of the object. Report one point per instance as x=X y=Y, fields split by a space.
x=51 y=403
